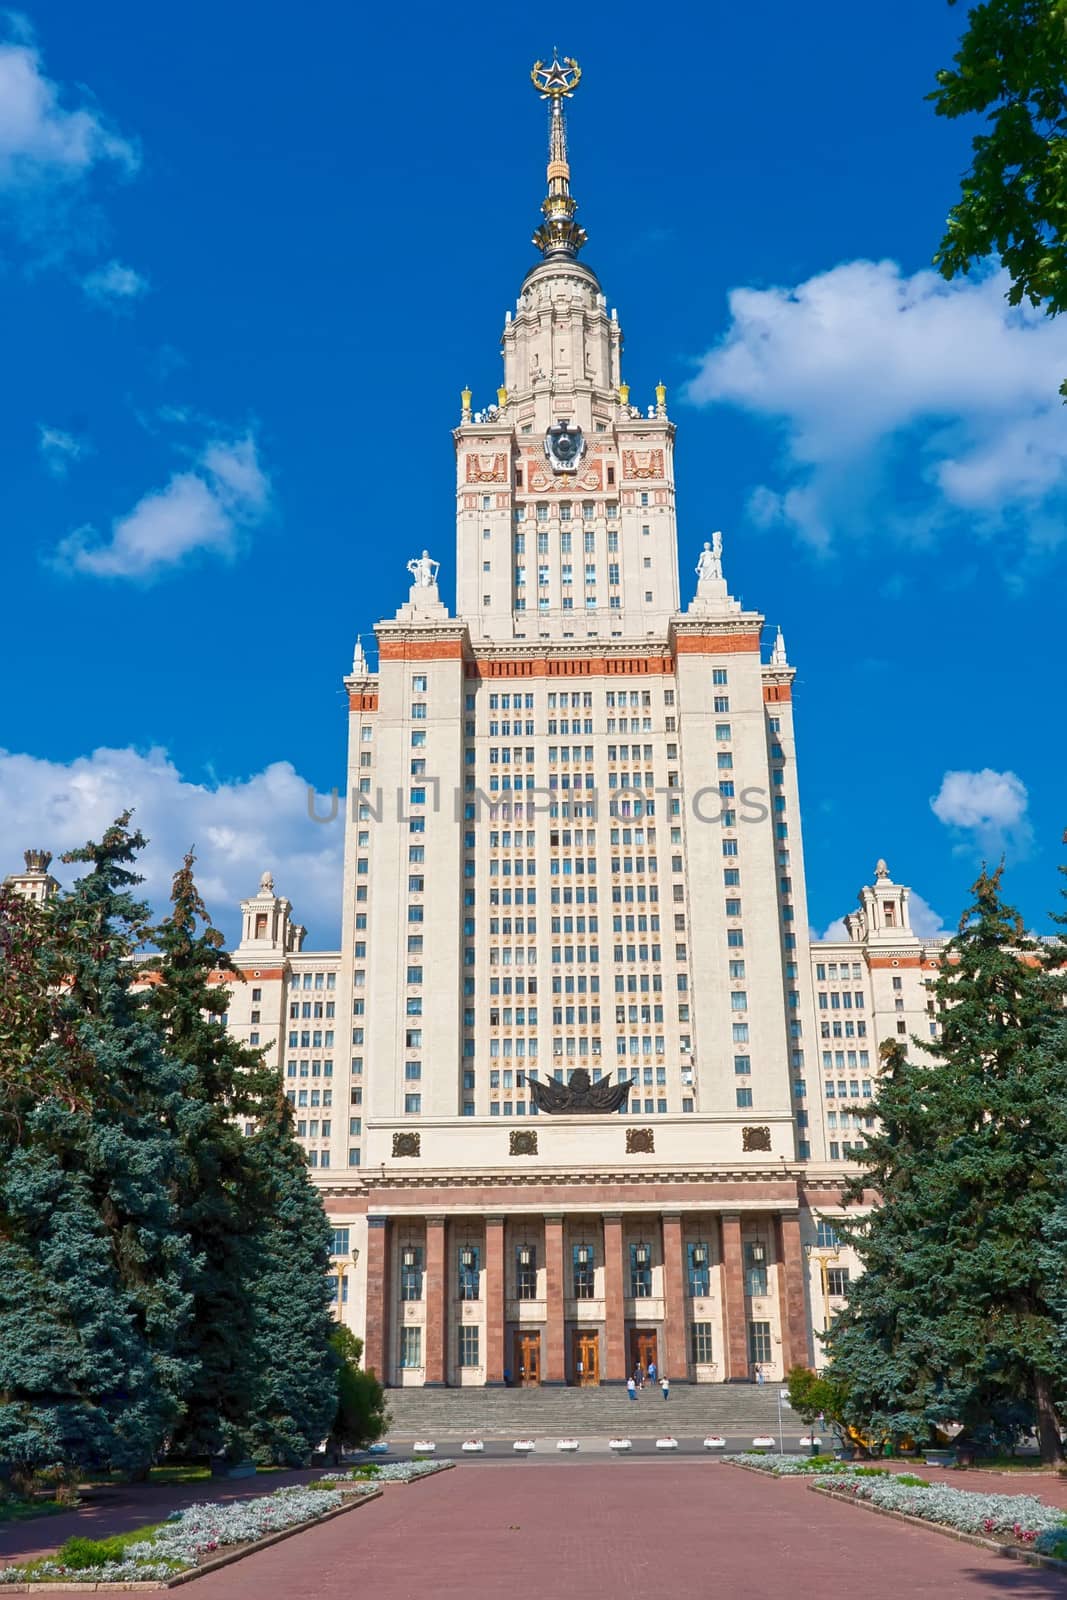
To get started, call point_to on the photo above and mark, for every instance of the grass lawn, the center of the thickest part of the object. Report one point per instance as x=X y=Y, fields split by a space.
x=25 y=1510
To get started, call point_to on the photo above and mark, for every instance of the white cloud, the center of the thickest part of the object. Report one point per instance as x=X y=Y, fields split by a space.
x=866 y=369
x=41 y=141
x=115 y=285
x=986 y=809
x=238 y=829
x=59 y=449
x=203 y=509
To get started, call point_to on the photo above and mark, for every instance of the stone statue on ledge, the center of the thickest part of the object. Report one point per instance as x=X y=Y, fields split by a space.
x=579 y=1097
x=423 y=570
x=709 y=563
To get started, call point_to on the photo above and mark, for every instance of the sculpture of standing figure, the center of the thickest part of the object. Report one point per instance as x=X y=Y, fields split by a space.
x=424 y=570
x=709 y=564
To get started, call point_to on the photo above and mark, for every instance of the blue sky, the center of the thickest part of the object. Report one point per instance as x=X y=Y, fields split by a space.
x=249 y=259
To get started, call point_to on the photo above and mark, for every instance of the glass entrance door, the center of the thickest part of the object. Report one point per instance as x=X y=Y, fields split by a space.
x=586 y=1358
x=528 y=1360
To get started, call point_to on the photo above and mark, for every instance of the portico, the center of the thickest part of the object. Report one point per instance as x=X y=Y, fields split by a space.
x=706 y=1281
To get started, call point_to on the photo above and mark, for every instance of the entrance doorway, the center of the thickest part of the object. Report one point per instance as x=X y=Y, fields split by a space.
x=586 y=1358
x=527 y=1360
x=643 y=1348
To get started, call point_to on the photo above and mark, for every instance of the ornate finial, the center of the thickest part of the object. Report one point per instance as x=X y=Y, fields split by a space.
x=778 y=655
x=266 y=883
x=502 y=398
x=881 y=870
x=559 y=234
x=37 y=860
x=359 y=659
x=465 y=403
x=624 y=394
x=661 y=399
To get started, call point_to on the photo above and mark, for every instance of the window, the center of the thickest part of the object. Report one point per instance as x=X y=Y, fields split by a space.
x=584 y=1272
x=413 y=1103
x=418 y=683
x=469 y=1278
x=837 y=1281
x=411 y=1273
x=640 y=1272
x=744 y=1096
x=699 y=1273
x=755 y=1268
x=759 y=1342
x=702 y=1355
x=411 y=1347
x=525 y=1272
x=339 y=1242
x=468 y=1346
x=825 y=1237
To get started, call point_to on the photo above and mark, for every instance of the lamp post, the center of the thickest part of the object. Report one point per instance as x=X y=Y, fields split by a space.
x=824 y=1258
x=341 y=1271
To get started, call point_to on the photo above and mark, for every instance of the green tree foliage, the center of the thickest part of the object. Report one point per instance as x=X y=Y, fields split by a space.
x=294 y=1402
x=94 y=1267
x=1054 y=1049
x=951 y=1321
x=219 y=1202
x=361 y=1415
x=1011 y=67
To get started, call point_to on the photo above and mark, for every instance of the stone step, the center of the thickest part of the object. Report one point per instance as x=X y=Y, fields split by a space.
x=712 y=1408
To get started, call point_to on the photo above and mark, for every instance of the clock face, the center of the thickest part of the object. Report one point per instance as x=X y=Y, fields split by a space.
x=564 y=446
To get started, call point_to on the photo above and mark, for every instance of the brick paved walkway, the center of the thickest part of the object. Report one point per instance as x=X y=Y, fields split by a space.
x=610 y=1531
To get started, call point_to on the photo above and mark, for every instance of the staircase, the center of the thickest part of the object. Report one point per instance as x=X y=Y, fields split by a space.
x=734 y=1410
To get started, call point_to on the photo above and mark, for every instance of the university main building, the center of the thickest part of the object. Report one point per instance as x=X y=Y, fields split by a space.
x=578 y=1090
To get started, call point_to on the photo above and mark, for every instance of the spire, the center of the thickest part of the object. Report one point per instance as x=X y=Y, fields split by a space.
x=778 y=655
x=559 y=234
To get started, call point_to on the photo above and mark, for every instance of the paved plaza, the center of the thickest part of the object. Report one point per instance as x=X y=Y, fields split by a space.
x=573 y=1530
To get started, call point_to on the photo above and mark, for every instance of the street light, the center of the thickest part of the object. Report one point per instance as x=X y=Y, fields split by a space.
x=824 y=1258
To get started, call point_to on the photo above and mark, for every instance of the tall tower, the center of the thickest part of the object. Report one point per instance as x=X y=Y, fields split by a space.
x=565 y=492
x=573 y=881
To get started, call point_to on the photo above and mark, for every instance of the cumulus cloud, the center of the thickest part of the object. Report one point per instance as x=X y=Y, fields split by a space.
x=59 y=450
x=115 y=285
x=865 y=369
x=986 y=810
x=238 y=829
x=51 y=152
x=203 y=509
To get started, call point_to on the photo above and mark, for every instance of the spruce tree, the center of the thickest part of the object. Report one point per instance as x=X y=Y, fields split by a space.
x=295 y=1370
x=218 y=1198
x=951 y=1320
x=1054 y=1052
x=90 y=1193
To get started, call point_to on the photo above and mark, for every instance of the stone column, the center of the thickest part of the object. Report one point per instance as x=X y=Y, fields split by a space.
x=614 y=1308
x=792 y=1300
x=553 y=1356
x=436 y=1281
x=376 y=1340
x=495 y=1291
x=735 y=1331
x=674 y=1359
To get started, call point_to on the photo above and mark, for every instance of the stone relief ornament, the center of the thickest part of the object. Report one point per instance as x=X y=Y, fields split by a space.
x=564 y=446
x=642 y=463
x=522 y=1142
x=578 y=1097
x=640 y=1142
x=755 y=1138
x=491 y=468
x=407 y=1144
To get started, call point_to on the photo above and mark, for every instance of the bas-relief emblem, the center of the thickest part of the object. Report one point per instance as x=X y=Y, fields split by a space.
x=642 y=463
x=580 y=1095
x=522 y=1142
x=640 y=1142
x=407 y=1144
x=491 y=468
x=755 y=1138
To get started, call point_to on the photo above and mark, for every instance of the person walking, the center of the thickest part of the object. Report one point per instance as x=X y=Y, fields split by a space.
x=665 y=1385
x=631 y=1388
x=651 y=1372
x=639 y=1375
x=759 y=1374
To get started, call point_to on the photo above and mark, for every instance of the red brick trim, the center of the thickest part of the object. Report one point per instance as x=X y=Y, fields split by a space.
x=420 y=649
x=714 y=644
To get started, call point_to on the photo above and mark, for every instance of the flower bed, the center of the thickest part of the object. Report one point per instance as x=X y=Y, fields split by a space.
x=186 y=1540
x=1013 y=1517
x=788 y=1466
x=393 y=1471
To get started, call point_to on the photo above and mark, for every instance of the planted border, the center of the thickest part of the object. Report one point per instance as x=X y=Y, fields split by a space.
x=190 y=1542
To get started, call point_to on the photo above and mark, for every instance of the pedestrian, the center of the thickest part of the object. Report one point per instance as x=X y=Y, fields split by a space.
x=759 y=1374
x=631 y=1388
x=665 y=1385
x=639 y=1375
x=651 y=1372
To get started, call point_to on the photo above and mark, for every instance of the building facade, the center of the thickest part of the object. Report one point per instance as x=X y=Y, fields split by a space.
x=574 y=862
